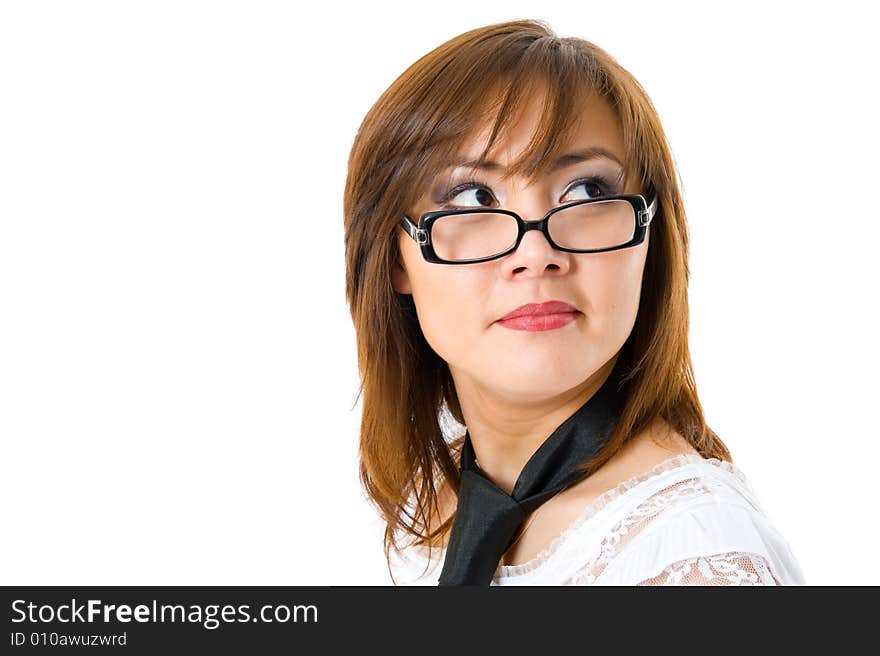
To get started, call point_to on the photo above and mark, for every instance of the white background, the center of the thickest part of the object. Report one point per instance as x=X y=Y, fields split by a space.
x=177 y=361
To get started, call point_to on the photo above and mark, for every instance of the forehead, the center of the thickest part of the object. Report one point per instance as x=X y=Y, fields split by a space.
x=594 y=132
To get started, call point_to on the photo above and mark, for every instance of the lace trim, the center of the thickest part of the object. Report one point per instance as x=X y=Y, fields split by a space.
x=681 y=460
x=730 y=568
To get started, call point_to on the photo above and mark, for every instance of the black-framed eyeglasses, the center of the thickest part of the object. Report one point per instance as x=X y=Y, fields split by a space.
x=595 y=225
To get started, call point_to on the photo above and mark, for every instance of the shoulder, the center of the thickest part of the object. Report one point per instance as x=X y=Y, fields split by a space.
x=701 y=518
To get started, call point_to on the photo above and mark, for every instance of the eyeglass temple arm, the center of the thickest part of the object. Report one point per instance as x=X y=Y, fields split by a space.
x=645 y=216
x=418 y=235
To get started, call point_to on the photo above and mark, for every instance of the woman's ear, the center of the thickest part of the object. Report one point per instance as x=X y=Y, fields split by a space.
x=400 y=278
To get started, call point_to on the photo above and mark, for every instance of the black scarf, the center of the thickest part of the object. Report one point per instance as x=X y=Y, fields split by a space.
x=487 y=518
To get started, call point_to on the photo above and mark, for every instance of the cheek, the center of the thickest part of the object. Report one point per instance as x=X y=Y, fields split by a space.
x=613 y=289
x=448 y=306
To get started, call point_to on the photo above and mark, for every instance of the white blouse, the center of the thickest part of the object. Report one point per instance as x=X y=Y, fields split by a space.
x=687 y=521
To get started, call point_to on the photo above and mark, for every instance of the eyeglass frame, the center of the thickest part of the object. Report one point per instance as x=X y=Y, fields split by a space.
x=421 y=233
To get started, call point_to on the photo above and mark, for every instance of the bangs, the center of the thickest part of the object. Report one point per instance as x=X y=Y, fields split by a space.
x=494 y=91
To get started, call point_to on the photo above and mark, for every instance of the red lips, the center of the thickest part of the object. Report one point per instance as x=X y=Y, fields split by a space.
x=537 y=309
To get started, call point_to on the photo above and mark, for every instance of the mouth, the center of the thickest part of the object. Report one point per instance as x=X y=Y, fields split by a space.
x=537 y=309
x=540 y=316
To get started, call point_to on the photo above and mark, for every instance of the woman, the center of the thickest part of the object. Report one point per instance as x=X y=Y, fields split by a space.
x=560 y=344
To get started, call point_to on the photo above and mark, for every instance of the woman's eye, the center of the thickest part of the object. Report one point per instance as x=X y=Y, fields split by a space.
x=470 y=196
x=591 y=189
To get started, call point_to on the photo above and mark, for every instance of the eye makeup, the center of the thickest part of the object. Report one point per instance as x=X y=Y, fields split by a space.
x=607 y=186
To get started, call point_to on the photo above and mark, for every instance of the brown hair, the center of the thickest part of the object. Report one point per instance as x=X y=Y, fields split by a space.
x=416 y=125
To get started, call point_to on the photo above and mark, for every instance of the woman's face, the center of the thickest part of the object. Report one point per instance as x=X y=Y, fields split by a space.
x=459 y=306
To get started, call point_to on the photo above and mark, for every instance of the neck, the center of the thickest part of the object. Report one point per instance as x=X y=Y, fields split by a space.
x=506 y=434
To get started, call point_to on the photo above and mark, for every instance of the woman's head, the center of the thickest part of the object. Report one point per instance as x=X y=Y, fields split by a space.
x=515 y=94
x=458 y=307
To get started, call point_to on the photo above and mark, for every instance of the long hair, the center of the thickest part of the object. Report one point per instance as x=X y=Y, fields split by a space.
x=417 y=124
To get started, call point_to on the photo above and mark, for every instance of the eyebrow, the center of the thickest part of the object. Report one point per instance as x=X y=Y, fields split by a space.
x=575 y=157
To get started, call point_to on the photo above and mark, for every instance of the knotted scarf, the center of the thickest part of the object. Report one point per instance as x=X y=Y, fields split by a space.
x=487 y=518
